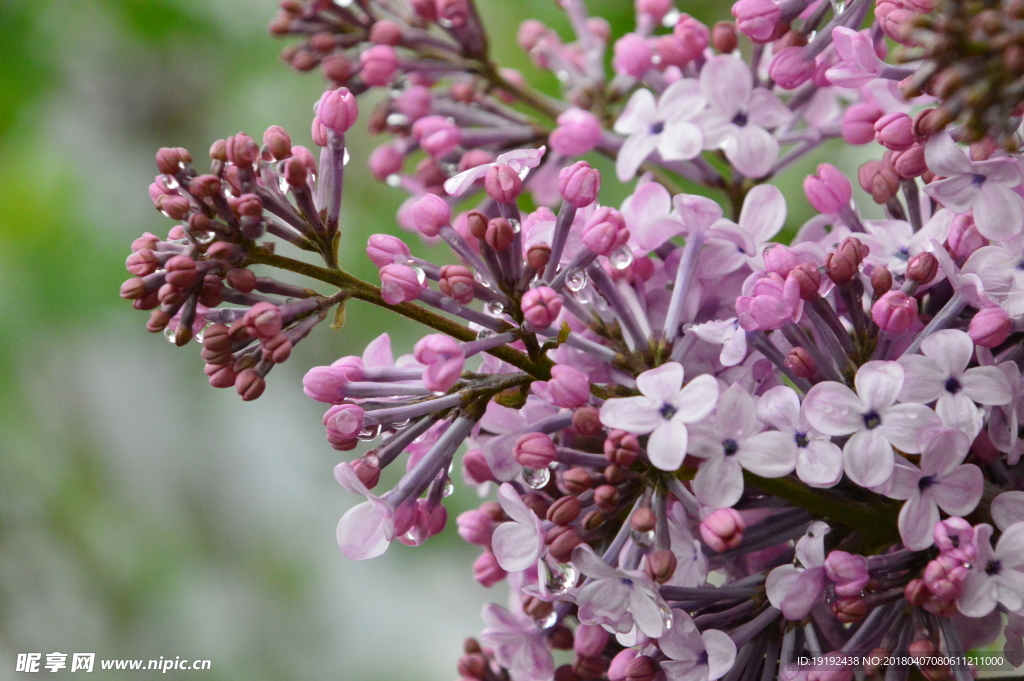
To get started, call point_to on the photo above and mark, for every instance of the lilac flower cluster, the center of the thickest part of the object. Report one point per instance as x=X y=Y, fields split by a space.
x=713 y=454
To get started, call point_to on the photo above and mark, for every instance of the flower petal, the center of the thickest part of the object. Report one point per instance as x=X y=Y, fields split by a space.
x=959 y=492
x=986 y=385
x=366 y=530
x=951 y=349
x=767 y=110
x=977 y=598
x=681 y=101
x=1007 y=509
x=763 y=213
x=946 y=449
x=916 y=522
x=639 y=114
x=680 y=141
x=721 y=651
x=727 y=83
x=719 y=482
x=868 y=458
x=998 y=212
x=904 y=424
x=1010 y=549
x=661 y=384
x=515 y=546
x=833 y=409
x=878 y=384
x=944 y=157
x=779 y=582
x=696 y=400
x=632 y=414
x=924 y=380
x=770 y=454
x=634 y=152
x=820 y=463
x=805 y=592
x=752 y=149
x=779 y=407
x=667 y=445
x=514 y=506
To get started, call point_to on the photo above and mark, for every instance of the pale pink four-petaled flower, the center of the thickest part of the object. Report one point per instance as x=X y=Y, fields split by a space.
x=665 y=126
x=663 y=409
x=695 y=655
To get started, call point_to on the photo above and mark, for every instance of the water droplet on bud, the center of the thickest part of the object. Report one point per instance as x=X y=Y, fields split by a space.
x=393 y=180
x=202 y=333
x=838 y=6
x=516 y=226
x=577 y=280
x=547 y=622
x=369 y=433
x=642 y=539
x=449 y=488
x=621 y=258
x=170 y=182
x=536 y=477
x=345 y=158
x=494 y=308
x=445 y=23
x=397 y=119
x=169 y=332
x=421 y=276
x=485 y=333
x=282 y=184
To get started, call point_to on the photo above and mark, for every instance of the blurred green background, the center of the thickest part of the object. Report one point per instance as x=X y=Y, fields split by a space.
x=142 y=513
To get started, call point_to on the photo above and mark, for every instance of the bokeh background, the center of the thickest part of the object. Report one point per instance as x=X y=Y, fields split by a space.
x=142 y=513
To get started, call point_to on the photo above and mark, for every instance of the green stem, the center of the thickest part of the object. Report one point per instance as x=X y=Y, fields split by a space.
x=362 y=290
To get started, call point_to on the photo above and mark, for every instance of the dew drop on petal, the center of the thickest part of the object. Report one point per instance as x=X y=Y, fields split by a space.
x=369 y=433
x=577 y=280
x=548 y=621
x=558 y=577
x=671 y=18
x=536 y=477
x=169 y=332
x=494 y=308
x=621 y=258
x=666 y=616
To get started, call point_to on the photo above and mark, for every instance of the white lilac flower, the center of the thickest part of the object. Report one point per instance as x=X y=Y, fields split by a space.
x=794 y=590
x=663 y=409
x=520 y=160
x=739 y=115
x=894 y=242
x=994 y=577
x=730 y=442
x=943 y=481
x=819 y=462
x=983 y=187
x=665 y=126
x=695 y=655
x=731 y=245
x=941 y=375
x=618 y=598
x=728 y=334
x=872 y=419
x=516 y=544
x=518 y=644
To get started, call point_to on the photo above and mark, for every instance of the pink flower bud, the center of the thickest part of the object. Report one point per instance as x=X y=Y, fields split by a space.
x=800 y=362
x=895 y=131
x=142 y=262
x=621 y=448
x=723 y=529
x=990 y=327
x=168 y=160
x=386 y=160
x=385 y=32
x=457 y=281
x=486 y=570
x=242 y=150
x=779 y=259
x=173 y=206
x=503 y=184
x=345 y=420
x=605 y=231
x=430 y=213
x=757 y=19
x=499 y=234
x=264 y=320
x=944 y=577
x=475 y=468
x=475 y=527
x=922 y=268
x=848 y=571
x=693 y=37
x=956 y=537
x=379 y=65
x=894 y=312
x=590 y=640
x=443 y=358
x=455 y=11
x=414 y=102
x=655 y=10
x=620 y=663
x=859 y=123
x=774 y=302
x=911 y=162
x=250 y=385
x=541 y=306
x=568 y=387
x=384 y=249
x=579 y=184
x=724 y=37
x=807 y=278
x=337 y=110
x=534 y=450
x=632 y=56
x=325 y=384
x=278 y=142
x=437 y=135
x=577 y=133
x=829 y=190
x=221 y=376
x=367 y=471
x=964 y=237
x=879 y=179
x=399 y=284
x=790 y=68
x=531 y=33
